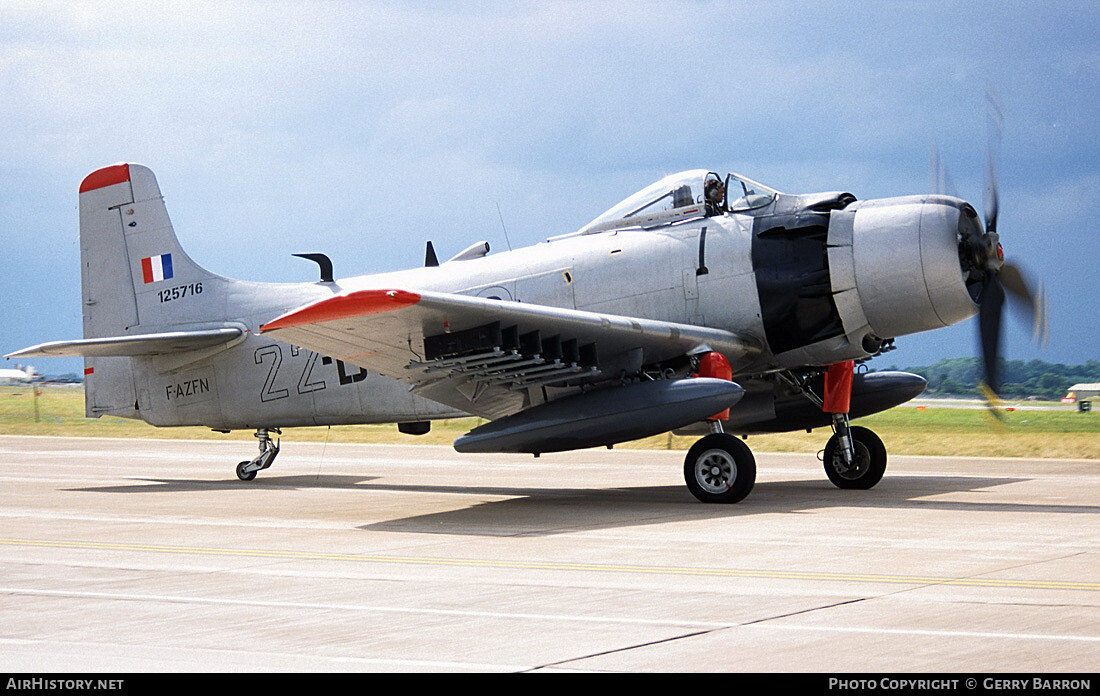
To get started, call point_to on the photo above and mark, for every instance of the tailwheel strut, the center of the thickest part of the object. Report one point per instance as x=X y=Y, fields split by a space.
x=269 y=449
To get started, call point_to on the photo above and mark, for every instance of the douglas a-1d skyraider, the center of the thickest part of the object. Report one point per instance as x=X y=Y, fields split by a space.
x=703 y=303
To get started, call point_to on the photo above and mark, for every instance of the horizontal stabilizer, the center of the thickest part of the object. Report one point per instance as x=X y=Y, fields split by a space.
x=142 y=344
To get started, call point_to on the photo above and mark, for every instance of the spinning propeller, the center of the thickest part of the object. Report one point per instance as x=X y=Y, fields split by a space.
x=990 y=276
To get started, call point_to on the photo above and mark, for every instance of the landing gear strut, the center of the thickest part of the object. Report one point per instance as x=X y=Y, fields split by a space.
x=854 y=456
x=246 y=471
x=719 y=468
x=843 y=436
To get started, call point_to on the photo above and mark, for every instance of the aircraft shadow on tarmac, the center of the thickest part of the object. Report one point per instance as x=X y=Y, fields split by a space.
x=547 y=511
x=302 y=481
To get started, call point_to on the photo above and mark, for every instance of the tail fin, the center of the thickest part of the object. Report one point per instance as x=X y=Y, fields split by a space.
x=135 y=278
x=133 y=271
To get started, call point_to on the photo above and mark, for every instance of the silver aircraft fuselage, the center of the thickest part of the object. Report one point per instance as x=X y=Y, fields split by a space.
x=890 y=269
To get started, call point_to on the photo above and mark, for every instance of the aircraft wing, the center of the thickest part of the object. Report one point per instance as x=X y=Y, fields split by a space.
x=484 y=355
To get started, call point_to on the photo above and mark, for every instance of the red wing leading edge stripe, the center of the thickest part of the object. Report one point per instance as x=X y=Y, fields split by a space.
x=353 y=304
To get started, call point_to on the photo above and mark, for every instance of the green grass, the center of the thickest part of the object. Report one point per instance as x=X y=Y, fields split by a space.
x=1062 y=433
x=931 y=430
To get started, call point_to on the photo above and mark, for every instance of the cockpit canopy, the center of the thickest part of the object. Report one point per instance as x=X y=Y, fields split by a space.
x=681 y=196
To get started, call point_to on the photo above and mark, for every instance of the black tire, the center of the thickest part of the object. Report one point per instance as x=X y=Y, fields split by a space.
x=720 y=469
x=869 y=465
x=245 y=475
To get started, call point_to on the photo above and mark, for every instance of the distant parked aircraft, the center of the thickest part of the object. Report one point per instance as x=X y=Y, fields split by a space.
x=18 y=375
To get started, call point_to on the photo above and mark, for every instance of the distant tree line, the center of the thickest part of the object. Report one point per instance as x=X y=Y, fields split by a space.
x=1019 y=379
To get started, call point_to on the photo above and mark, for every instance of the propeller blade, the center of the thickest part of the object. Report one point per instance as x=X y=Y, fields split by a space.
x=989 y=324
x=1043 y=333
x=1032 y=306
x=939 y=179
x=994 y=126
x=991 y=200
x=983 y=251
x=1013 y=280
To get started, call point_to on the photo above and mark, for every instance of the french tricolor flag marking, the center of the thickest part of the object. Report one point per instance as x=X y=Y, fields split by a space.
x=156 y=268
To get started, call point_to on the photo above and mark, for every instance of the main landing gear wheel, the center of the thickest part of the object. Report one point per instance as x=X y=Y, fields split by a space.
x=720 y=469
x=867 y=467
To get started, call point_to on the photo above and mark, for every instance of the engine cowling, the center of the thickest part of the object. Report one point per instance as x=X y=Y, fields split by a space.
x=895 y=264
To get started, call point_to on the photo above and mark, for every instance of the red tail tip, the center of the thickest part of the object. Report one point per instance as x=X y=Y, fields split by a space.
x=107 y=176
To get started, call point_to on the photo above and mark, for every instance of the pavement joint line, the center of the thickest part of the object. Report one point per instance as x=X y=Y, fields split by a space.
x=560 y=566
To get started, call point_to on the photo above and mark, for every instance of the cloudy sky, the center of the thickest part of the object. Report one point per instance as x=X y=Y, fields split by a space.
x=363 y=129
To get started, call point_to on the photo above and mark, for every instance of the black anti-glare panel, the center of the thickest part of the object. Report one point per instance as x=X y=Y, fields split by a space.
x=792 y=279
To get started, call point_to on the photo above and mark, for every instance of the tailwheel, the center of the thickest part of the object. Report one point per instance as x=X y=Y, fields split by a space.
x=269 y=449
x=243 y=472
x=868 y=460
x=720 y=469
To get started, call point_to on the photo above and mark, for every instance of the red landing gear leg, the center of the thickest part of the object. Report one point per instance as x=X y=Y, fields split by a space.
x=719 y=468
x=838 y=401
x=713 y=364
x=854 y=457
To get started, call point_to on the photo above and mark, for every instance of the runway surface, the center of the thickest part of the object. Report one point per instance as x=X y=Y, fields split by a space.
x=143 y=555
